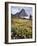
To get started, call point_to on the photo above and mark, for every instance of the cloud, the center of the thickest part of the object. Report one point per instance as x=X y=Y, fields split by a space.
x=28 y=10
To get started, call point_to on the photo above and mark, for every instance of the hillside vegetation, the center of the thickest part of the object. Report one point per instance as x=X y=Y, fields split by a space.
x=21 y=27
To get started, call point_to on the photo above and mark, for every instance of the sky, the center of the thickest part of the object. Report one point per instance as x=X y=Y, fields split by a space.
x=28 y=10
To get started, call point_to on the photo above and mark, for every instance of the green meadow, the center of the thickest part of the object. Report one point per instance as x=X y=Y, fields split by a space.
x=22 y=27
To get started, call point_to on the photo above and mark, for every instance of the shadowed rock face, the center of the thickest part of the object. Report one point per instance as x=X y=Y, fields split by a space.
x=22 y=14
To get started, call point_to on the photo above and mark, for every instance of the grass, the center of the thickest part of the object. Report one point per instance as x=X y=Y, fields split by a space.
x=22 y=27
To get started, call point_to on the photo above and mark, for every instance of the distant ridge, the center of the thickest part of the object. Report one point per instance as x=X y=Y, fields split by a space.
x=22 y=14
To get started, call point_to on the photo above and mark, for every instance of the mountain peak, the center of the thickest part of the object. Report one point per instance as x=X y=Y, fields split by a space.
x=23 y=10
x=23 y=13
